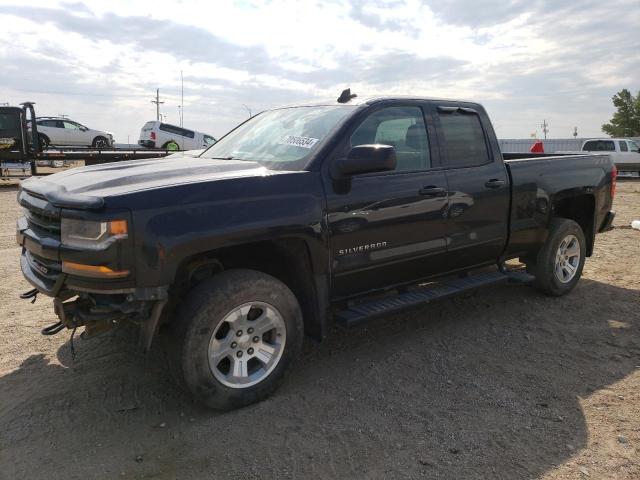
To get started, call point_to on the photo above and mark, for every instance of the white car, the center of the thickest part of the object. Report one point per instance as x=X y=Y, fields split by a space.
x=156 y=134
x=624 y=153
x=65 y=132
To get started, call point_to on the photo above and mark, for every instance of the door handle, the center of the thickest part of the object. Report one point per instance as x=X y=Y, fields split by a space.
x=494 y=183
x=432 y=191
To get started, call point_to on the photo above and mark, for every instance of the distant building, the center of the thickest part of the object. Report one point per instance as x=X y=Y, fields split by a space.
x=522 y=145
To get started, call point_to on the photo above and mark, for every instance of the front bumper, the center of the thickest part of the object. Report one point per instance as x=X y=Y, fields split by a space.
x=98 y=304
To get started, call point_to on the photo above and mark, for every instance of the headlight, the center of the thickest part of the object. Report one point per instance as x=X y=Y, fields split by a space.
x=91 y=234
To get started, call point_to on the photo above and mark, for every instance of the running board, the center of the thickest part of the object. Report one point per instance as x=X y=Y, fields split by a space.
x=361 y=312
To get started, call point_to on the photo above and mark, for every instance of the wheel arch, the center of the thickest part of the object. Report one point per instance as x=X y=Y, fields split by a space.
x=99 y=136
x=580 y=209
x=287 y=259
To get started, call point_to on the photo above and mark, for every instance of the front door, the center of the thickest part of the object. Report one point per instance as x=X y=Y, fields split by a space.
x=388 y=228
x=73 y=135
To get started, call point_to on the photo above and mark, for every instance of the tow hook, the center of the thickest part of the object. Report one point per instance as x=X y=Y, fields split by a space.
x=33 y=294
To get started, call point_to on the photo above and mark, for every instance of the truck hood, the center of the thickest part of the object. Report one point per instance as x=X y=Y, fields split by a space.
x=86 y=187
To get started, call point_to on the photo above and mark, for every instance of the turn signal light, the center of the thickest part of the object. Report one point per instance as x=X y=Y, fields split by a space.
x=118 y=227
x=93 y=271
x=614 y=181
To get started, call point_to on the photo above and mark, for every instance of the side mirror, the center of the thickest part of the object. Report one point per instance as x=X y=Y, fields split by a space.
x=368 y=159
x=84 y=129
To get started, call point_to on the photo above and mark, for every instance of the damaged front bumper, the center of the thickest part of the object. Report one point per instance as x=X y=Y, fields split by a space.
x=95 y=304
x=100 y=313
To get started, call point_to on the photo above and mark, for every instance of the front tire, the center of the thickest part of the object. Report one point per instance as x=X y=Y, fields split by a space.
x=100 y=143
x=238 y=334
x=559 y=263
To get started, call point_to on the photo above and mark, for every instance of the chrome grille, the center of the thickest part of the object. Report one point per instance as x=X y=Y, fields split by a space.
x=40 y=214
x=43 y=222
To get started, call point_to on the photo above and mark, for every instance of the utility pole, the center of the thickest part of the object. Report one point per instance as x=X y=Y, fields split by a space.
x=157 y=102
x=248 y=109
x=575 y=132
x=545 y=128
x=181 y=98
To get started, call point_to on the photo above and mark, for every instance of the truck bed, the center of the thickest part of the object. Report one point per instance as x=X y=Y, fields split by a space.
x=539 y=181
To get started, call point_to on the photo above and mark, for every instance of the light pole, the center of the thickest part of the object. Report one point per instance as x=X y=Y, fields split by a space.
x=248 y=109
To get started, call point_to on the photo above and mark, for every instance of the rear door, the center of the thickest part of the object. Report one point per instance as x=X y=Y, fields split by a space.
x=54 y=129
x=628 y=156
x=478 y=186
x=388 y=228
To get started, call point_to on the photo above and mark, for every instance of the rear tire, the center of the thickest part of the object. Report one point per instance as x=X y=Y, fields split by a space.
x=559 y=263
x=237 y=335
x=44 y=141
x=171 y=145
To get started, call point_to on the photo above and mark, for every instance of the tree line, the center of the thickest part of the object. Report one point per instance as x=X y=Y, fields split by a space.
x=626 y=120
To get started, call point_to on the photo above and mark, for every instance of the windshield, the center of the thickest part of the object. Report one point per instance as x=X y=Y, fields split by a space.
x=283 y=139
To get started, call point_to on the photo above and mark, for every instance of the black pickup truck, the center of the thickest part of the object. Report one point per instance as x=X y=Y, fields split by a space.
x=299 y=216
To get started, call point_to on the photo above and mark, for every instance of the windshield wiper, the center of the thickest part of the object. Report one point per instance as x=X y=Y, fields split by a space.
x=223 y=158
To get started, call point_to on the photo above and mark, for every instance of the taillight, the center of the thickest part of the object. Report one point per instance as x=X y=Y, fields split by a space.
x=153 y=135
x=614 y=181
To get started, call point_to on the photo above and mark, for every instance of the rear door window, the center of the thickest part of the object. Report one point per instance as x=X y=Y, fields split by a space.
x=599 y=146
x=623 y=146
x=49 y=123
x=463 y=139
x=183 y=132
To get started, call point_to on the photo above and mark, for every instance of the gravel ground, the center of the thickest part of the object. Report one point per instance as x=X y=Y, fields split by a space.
x=500 y=383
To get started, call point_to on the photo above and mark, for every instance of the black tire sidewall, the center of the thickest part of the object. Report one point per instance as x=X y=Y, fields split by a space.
x=97 y=139
x=203 y=310
x=546 y=279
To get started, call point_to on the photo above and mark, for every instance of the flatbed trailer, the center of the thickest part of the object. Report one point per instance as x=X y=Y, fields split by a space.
x=95 y=156
x=21 y=153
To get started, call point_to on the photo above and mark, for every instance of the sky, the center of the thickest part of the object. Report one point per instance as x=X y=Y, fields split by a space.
x=526 y=60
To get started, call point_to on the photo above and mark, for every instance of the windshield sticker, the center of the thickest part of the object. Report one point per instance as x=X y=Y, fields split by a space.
x=303 y=142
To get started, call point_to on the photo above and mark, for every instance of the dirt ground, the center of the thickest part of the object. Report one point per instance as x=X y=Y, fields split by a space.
x=501 y=383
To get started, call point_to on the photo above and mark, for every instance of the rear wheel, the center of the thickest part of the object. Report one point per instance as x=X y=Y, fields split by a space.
x=559 y=263
x=238 y=334
x=44 y=141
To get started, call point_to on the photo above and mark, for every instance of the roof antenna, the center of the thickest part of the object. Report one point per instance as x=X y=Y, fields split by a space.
x=346 y=95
